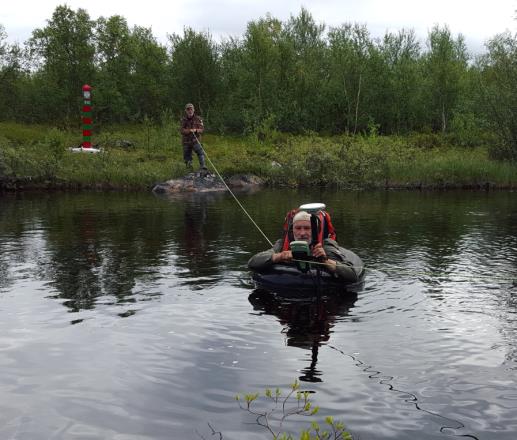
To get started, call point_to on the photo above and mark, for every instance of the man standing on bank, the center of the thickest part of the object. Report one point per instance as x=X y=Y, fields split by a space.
x=191 y=129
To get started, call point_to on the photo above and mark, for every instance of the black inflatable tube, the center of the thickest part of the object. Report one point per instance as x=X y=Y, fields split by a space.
x=283 y=278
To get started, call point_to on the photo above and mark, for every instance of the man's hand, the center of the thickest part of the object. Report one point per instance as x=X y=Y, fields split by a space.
x=193 y=130
x=282 y=257
x=319 y=253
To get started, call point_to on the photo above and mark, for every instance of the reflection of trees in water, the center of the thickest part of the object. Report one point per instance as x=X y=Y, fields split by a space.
x=113 y=245
x=106 y=246
x=101 y=247
x=307 y=323
x=14 y=245
x=508 y=329
x=109 y=244
x=197 y=240
x=92 y=254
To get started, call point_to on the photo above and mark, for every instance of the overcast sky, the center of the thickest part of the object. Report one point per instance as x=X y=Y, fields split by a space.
x=476 y=20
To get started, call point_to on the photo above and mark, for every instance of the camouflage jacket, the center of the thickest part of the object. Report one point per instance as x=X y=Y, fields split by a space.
x=187 y=138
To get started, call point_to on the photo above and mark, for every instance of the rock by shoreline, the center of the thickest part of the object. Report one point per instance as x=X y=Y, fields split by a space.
x=196 y=183
x=204 y=181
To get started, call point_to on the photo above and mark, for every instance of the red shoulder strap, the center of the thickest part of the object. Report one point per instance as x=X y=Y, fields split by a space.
x=288 y=224
x=326 y=228
x=330 y=227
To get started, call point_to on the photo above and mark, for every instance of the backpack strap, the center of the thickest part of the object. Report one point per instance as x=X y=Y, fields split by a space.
x=325 y=227
x=288 y=229
x=328 y=227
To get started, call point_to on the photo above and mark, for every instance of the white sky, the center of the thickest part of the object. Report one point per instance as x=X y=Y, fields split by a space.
x=477 y=20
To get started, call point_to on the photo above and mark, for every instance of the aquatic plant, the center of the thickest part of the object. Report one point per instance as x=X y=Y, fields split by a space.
x=273 y=408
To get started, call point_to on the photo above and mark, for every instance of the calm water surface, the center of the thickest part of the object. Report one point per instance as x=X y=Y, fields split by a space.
x=128 y=316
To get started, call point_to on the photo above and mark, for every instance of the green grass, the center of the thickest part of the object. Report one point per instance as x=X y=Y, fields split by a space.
x=155 y=154
x=453 y=166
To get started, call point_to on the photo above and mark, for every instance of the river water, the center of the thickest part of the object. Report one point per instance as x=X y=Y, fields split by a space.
x=130 y=316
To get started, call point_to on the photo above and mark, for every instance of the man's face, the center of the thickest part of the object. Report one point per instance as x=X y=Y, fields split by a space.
x=302 y=231
x=189 y=111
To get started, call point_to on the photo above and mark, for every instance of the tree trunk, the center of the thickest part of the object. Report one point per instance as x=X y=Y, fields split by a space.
x=444 y=120
x=357 y=104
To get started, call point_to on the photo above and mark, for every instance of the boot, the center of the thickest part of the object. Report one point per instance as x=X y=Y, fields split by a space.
x=188 y=164
x=202 y=164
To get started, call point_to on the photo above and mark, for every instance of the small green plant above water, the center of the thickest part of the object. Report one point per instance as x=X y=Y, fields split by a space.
x=273 y=408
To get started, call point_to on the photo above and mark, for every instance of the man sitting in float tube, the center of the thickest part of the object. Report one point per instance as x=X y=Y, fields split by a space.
x=338 y=261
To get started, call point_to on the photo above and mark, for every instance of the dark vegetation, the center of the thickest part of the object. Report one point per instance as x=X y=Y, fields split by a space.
x=280 y=84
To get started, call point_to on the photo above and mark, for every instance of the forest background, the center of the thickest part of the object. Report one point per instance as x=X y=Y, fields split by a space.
x=308 y=100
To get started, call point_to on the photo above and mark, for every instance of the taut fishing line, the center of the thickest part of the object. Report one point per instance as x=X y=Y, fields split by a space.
x=233 y=195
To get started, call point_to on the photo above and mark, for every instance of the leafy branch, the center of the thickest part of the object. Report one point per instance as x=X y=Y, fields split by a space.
x=295 y=403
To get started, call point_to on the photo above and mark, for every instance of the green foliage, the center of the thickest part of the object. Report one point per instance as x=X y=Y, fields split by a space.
x=12 y=77
x=499 y=93
x=194 y=70
x=53 y=146
x=114 y=58
x=5 y=170
x=149 y=75
x=278 y=408
x=446 y=63
x=286 y=85
x=138 y=155
x=402 y=84
x=291 y=76
x=64 y=52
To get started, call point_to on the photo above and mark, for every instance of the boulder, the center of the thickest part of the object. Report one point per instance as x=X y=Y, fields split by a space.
x=205 y=181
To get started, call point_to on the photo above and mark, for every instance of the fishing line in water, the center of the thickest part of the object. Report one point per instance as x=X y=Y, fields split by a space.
x=233 y=195
x=409 y=397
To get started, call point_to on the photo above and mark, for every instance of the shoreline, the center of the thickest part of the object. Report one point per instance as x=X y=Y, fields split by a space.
x=32 y=161
x=29 y=184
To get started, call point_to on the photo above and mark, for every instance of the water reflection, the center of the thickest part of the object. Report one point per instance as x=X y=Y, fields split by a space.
x=197 y=238
x=307 y=323
x=439 y=315
x=101 y=249
x=74 y=266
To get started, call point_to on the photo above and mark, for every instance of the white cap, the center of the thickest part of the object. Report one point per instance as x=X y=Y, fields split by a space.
x=301 y=215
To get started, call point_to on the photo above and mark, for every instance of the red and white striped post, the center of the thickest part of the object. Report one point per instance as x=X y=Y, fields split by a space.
x=87 y=117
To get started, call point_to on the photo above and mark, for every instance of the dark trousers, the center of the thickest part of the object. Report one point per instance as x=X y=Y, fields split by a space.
x=187 y=153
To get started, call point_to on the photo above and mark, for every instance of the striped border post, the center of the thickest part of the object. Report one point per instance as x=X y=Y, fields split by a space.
x=87 y=116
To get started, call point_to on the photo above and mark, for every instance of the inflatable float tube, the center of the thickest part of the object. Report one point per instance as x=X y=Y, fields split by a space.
x=287 y=279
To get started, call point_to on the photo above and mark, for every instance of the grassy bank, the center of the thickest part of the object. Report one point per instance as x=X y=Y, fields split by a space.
x=136 y=157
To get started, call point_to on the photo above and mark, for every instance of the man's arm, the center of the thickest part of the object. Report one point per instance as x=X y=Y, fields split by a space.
x=342 y=263
x=198 y=125
x=265 y=259
x=184 y=129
